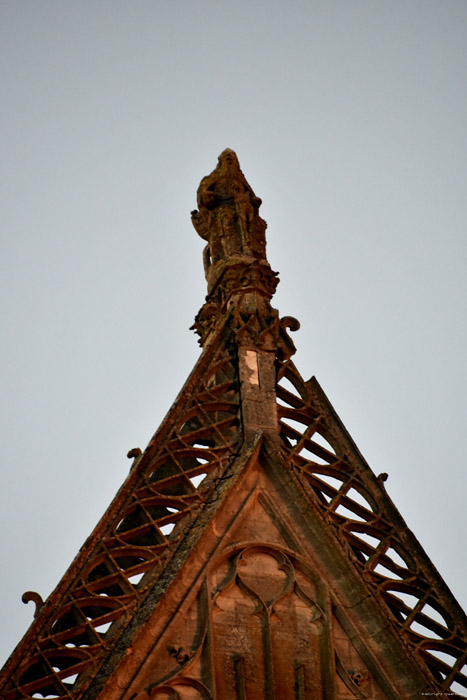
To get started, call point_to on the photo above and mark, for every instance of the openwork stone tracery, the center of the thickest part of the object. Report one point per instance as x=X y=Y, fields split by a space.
x=202 y=580
x=355 y=505
x=169 y=485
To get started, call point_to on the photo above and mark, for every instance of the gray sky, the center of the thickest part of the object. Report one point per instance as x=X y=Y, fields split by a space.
x=348 y=118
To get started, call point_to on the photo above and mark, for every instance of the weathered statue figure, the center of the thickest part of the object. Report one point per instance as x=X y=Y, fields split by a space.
x=228 y=217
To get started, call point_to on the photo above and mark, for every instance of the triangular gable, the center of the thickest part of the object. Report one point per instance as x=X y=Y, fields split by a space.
x=375 y=617
x=264 y=606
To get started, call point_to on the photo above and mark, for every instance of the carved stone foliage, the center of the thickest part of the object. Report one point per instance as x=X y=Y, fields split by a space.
x=168 y=485
x=249 y=321
x=236 y=279
x=353 y=502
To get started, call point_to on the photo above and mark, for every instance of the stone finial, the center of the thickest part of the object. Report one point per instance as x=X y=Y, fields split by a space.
x=227 y=216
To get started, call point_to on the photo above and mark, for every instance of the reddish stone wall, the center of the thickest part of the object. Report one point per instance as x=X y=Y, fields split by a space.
x=248 y=618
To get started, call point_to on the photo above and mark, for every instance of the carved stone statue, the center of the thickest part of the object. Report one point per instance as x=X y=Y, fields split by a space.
x=228 y=217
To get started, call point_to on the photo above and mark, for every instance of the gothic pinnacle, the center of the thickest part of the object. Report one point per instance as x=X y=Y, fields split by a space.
x=240 y=280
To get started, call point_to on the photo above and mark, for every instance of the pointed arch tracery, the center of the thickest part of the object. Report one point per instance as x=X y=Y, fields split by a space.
x=251 y=597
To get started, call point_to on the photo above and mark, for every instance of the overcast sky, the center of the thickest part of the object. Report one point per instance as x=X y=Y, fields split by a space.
x=349 y=119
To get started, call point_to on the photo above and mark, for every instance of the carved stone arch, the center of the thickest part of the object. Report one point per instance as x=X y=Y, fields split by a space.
x=266 y=624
